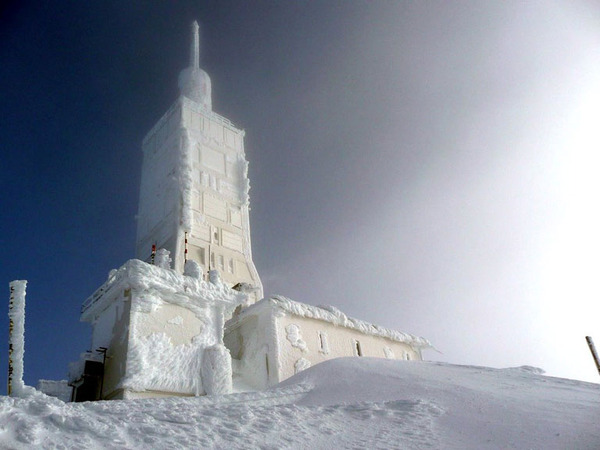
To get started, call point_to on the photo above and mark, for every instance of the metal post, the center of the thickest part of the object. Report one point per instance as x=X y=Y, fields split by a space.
x=593 y=350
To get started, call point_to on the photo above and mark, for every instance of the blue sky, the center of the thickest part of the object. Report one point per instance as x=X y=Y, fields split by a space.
x=429 y=167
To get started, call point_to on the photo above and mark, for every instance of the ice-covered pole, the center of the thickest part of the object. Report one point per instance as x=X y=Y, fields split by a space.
x=16 y=337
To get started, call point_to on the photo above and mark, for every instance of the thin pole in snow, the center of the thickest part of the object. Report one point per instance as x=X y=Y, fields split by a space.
x=593 y=350
x=11 y=327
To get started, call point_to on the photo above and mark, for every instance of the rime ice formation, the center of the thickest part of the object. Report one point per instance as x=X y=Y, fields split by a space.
x=16 y=315
x=293 y=335
x=194 y=187
x=193 y=269
x=216 y=370
x=333 y=315
x=163 y=334
x=301 y=364
x=163 y=260
x=194 y=83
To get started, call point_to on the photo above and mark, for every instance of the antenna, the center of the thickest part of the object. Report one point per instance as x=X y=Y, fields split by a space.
x=195 y=47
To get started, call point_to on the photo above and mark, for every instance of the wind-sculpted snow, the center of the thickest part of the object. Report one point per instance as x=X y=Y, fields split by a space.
x=159 y=285
x=178 y=370
x=343 y=403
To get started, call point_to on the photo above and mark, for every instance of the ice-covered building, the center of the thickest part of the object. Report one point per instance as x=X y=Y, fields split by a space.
x=278 y=337
x=156 y=332
x=195 y=185
x=159 y=322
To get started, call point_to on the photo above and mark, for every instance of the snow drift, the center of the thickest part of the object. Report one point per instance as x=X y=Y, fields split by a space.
x=343 y=403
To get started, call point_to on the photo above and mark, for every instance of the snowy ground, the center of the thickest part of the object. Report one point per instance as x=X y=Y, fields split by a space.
x=344 y=403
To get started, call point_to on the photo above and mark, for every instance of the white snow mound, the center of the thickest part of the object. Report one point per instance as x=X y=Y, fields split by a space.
x=342 y=403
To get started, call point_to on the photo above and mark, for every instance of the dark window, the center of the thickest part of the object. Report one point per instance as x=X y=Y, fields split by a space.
x=357 y=349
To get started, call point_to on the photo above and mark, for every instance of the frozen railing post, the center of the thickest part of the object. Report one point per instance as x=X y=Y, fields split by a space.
x=593 y=350
x=163 y=258
x=16 y=337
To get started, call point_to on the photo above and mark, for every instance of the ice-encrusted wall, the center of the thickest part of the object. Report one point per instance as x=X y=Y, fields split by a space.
x=276 y=338
x=163 y=332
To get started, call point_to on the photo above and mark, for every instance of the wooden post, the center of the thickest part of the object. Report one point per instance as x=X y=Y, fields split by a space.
x=593 y=350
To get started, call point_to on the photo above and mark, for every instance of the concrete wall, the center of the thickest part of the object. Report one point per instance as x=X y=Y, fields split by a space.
x=177 y=322
x=253 y=350
x=166 y=347
x=111 y=330
x=271 y=347
x=304 y=342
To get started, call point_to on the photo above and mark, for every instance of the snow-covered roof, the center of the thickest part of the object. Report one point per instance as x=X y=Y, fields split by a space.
x=333 y=315
x=167 y=283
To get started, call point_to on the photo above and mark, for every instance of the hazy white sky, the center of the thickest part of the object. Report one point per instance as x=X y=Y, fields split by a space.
x=465 y=195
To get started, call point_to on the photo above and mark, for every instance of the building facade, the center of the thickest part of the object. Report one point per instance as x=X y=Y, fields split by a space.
x=155 y=333
x=276 y=338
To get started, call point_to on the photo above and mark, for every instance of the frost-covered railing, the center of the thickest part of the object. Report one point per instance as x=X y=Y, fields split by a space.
x=98 y=292
x=221 y=119
x=140 y=275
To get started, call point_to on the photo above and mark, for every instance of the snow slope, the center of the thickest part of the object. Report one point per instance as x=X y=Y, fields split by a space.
x=344 y=403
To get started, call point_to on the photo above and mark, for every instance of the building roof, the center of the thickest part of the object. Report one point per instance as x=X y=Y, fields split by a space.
x=332 y=315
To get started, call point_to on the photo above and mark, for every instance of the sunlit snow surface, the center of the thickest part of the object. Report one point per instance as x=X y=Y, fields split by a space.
x=344 y=403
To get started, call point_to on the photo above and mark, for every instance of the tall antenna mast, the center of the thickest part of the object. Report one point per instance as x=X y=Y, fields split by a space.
x=195 y=47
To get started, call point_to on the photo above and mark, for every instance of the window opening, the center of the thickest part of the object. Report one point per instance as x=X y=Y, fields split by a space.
x=323 y=344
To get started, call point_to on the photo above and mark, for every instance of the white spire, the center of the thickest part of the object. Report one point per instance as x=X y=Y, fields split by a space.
x=194 y=83
x=195 y=47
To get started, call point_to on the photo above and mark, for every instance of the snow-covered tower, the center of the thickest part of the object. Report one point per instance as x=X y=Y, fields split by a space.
x=195 y=185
